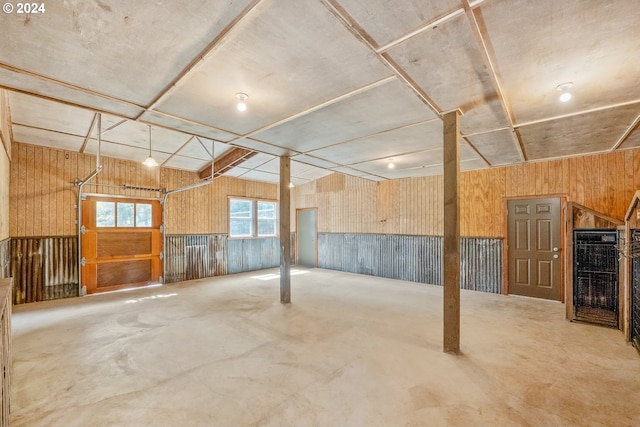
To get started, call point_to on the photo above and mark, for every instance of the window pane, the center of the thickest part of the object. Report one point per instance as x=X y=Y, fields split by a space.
x=143 y=215
x=105 y=214
x=240 y=208
x=267 y=210
x=266 y=227
x=125 y=215
x=240 y=227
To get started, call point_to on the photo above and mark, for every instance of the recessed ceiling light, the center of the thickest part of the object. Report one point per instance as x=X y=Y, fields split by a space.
x=391 y=166
x=242 y=97
x=565 y=96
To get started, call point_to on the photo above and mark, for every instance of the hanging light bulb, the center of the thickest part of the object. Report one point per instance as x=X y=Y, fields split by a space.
x=242 y=97
x=150 y=161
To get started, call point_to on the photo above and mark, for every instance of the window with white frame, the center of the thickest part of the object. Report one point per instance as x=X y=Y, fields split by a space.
x=252 y=218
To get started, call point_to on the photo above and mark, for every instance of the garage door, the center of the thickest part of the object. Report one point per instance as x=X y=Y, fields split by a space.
x=121 y=243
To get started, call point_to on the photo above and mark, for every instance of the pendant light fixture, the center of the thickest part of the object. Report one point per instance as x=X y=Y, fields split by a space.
x=150 y=161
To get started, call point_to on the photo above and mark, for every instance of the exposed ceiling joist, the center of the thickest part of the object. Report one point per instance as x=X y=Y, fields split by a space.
x=626 y=134
x=177 y=151
x=341 y=14
x=89 y=132
x=67 y=85
x=200 y=58
x=578 y=113
x=426 y=27
x=480 y=37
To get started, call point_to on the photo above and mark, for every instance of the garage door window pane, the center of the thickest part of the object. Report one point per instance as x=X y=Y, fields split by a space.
x=125 y=215
x=143 y=215
x=105 y=214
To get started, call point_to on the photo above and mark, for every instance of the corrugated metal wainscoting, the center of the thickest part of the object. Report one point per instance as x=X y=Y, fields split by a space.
x=44 y=268
x=190 y=257
x=412 y=258
x=252 y=254
x=5 y=258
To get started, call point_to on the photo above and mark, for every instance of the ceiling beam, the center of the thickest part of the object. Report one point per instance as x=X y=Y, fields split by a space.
x=89 y=132
x=66 y=85
x=480 y=35
x=428 y=26
x=323 y=105
x=177 y=151
x=227 y=161
x=473 y=147
x=350 y=24
x=372 y=135
x=200 y=57
x=6 y=132
x=577 y=113
x=626 y=134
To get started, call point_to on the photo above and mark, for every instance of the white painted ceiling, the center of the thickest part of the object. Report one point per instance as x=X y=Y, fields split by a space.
x=339 y=85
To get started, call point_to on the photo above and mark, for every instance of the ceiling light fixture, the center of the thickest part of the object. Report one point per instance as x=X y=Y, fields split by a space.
x=150 y=161
x=391 y=166
x=291 y=185
x=242 y=97
x=565 y=95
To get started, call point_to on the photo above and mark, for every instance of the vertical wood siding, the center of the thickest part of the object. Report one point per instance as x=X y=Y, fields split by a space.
x=43 y=196
x=42 y=179
x=603 y=182
x=205 y=210
x=44 y=268
x=412 y=258
x=4 y=191
x=5 y=258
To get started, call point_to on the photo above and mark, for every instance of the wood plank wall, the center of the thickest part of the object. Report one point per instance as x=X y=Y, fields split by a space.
x=204 y=210
x=5 y=155
x=603 y=182
x=4 y=194
x=43 y=198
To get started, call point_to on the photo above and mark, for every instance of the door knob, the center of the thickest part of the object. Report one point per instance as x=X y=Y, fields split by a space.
x=555 y=256
x=555 y=249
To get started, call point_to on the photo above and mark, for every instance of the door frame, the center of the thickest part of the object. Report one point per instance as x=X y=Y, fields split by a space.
x=505 y=227
x=298 y=234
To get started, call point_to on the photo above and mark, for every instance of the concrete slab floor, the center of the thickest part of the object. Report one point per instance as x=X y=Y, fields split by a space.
x=350 y=350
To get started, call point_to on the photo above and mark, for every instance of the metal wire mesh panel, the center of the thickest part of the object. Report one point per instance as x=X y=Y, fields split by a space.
x=635 y=295
x=596 y=276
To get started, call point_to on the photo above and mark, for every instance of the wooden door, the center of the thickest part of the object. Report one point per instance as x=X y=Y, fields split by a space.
x=534 y=245
x=306 y=229
x=121 y=243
